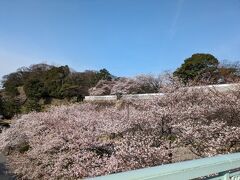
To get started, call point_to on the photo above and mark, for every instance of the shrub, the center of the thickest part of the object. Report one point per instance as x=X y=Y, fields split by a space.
x=35 y=88
x=69 y=91
x=32 y=104
x=9 y=107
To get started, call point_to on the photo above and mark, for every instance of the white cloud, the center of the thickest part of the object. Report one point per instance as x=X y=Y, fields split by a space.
x=176 y=18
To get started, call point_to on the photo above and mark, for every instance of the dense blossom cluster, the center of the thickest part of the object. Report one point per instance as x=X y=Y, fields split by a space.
x=92 y=139
x=122 y=86
x=138 y=85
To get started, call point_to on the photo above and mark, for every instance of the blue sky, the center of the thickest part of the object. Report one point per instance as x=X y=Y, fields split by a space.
x=128 y=37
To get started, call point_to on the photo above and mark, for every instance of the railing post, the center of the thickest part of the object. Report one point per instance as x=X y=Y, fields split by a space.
x=226 y=176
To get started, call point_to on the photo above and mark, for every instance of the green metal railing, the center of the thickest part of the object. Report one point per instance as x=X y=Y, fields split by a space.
x=221 y=167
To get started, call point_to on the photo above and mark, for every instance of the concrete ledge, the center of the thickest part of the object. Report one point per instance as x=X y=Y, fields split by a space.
x=101 y=98
x=141 y=96
x=218 y=87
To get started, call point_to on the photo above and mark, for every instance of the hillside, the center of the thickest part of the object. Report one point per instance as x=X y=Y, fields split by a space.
x=34 y=88
x=92 y=139
x=39 y=86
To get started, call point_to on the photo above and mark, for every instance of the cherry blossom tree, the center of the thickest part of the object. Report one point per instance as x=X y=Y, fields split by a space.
x=91 y=139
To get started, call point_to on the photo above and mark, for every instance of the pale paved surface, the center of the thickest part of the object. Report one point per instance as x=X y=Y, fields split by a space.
x=3 y=174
